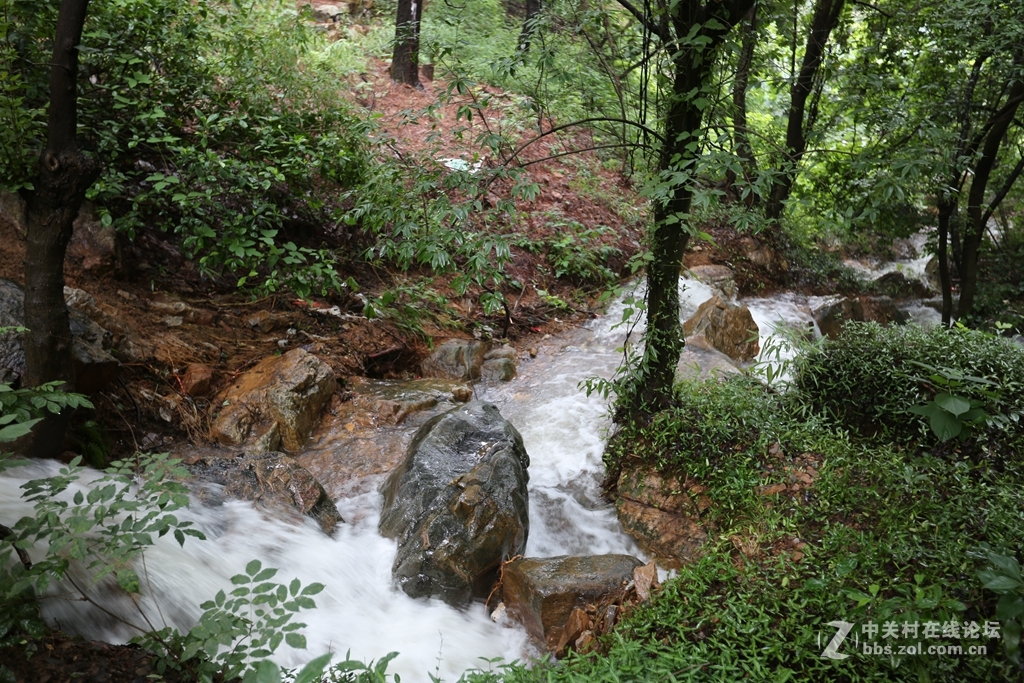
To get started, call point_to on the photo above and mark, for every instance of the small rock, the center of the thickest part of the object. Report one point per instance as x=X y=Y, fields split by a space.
x=92 y=243
x=462 y=394
x=498 y=370
x=459 y=359
x=533 y=352
x=197 y=380
x=173 y=321
x=544 y=593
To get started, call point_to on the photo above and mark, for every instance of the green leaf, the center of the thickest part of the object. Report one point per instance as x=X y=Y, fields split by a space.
x=264 y=672
x=1000 y=583
x=1007 y=564
x=313 y=669
x=954 y=404
x=253 y=568
x=945 y=425
x=296 y=640
x=1010 y=606
x=1011 y=636
x=128 y=580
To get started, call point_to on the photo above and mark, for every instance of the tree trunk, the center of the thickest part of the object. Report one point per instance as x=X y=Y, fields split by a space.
x=692 y=63
x=405 y=61
x=826 y=18
x=947 y=206
x=65 y=173
x=975 y=232
x=533 y=8
x=739 y=100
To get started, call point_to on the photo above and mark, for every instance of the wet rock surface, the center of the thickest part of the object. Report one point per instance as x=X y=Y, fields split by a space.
x=283 y=392
x=551 y=596
x=457 y=504
x=662 y=514
x=368 y=432
x=720 y=278
x=726 y=327
x=458 y=359
x=273 y=481
x=95 y=368
x=833 y=315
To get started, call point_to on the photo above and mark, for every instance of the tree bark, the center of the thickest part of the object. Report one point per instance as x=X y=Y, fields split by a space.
x=65 y=173
x=405 y=60
x=693 y=62
x=826 y=18
x=744 y=150
x=533 y=8
x=975 y=232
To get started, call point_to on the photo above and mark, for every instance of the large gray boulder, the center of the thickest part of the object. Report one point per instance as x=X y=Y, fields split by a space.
x=458 y=504
x=94 y=367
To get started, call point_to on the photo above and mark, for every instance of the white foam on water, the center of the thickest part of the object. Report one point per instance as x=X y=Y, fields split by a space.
x=359 y=610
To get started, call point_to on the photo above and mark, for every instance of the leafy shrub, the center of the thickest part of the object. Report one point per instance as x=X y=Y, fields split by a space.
x=869 y=378
x=207 y=123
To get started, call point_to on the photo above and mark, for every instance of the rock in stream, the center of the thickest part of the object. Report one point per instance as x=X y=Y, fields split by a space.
x=458 y=504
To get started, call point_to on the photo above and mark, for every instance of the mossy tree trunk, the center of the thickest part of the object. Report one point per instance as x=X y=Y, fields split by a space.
x=693 y=33
x=64 y=174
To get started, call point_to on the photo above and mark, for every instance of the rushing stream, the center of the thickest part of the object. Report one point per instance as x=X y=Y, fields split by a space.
x=360 y=612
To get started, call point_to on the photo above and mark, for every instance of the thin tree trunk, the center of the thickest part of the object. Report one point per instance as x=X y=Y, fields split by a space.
x=65 y=173
x=975 y=231
x=826 y=18
x=533 y=8
x=405 y=61
x=946 y=208
x=652 y=389
x=739 y=100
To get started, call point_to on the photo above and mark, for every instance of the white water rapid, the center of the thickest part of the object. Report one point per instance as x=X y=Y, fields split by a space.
x=360 y=611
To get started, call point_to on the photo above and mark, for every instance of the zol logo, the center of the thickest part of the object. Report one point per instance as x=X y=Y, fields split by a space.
x=831 y=650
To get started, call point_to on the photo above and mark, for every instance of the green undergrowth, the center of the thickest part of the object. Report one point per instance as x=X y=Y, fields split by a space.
x=905 y=531
x=871 y=378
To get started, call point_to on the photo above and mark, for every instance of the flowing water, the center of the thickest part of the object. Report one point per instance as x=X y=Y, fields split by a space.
x=359 y=611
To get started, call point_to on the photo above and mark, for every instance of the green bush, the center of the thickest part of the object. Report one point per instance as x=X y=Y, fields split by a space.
x=209 y=125
x=871 y=377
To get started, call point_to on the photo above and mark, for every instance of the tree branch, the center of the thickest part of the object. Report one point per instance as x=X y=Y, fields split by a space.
x=642 y=18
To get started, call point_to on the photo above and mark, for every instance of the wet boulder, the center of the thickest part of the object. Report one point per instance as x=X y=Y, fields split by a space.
x=720 y=278
x=283 y=393
x=273 y=481
x=833 y=315
x=457 y=505
x=550 y=596
x=662 y=514
x=728 y=328
x=458 y=359
x=899 y=285
x=94 y=367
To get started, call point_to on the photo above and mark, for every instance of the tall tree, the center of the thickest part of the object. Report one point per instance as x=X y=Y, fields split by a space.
x=801 y=117
x=64 y=175
x=691 y=32
x=405 y=60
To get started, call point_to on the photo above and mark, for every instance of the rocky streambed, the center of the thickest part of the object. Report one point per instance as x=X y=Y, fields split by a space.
x=406 y=498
